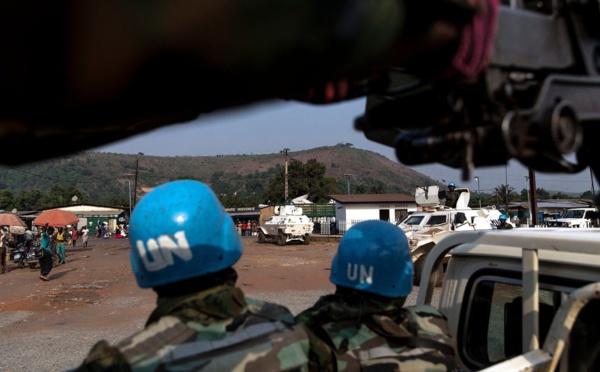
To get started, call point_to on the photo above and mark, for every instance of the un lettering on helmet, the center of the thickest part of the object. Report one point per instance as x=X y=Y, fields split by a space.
x=366 y=274
x=373 y=256
x=157 y=254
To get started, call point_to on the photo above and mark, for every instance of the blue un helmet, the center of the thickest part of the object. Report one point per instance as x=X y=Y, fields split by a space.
x=373 y=256
x=451 y=184
x=503 y=217
x=180 y=230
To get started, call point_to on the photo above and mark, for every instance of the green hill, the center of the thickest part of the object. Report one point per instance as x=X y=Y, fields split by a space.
x=99 y=176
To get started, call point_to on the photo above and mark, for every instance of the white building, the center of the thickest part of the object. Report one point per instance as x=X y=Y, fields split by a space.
x=351 y=209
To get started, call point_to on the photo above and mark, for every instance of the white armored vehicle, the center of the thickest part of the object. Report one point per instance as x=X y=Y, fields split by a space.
x=288 y=224
x=426 y=228
x=575 y=218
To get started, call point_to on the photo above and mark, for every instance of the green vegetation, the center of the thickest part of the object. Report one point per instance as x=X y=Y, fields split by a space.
x=239 y=180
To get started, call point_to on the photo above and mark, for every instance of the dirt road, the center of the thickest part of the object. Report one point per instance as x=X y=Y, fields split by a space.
x=50 y=326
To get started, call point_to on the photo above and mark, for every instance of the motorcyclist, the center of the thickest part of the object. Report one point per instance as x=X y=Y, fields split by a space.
x=184 y=245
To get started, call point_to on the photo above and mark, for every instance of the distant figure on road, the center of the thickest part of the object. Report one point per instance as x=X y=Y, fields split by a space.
x=202 y=321
x=46 y=259
x=85 y=235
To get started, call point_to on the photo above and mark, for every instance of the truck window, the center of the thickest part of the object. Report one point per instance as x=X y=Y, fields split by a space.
x=493 y=321
x=584 y=343
x=413 y=220
x=573 y=214
x=436 y=220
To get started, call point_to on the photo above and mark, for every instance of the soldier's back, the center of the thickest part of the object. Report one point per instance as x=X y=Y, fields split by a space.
x=264 y=337
x=416 y=339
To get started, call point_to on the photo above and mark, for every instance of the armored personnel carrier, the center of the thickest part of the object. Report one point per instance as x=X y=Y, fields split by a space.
x=424 y=229
x=288 y=224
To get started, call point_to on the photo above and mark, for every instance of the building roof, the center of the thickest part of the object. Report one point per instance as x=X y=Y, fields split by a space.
x=372 y=198
x=559 y=204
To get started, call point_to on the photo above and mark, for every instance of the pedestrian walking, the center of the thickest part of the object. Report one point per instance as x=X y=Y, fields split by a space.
x=61 y=237
x=46 y=252
x=85 y=236
x=4 y=250
x=74 y=235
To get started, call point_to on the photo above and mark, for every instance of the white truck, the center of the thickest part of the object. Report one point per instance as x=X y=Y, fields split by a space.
x=288 y=224
x=426 y=228
x=520 y=300
x=576 y=218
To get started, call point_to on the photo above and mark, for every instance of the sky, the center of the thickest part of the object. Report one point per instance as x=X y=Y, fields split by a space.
x=269 y=127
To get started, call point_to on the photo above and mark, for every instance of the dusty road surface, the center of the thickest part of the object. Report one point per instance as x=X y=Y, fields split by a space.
x=50 y=326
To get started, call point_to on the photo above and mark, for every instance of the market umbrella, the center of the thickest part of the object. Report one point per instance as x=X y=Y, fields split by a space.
x=56 y=217
x=9 y=219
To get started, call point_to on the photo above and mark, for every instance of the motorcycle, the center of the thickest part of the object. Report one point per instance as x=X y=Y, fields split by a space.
x=21 y=256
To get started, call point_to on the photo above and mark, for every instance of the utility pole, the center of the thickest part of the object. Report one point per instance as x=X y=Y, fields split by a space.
x=285 y=152
x=348 y=182
x=506 y=188
x=533 y=192
x=478 y=191
x=528 y=199
x=135 y=184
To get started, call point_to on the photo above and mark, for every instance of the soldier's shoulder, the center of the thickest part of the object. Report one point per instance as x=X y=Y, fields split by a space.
x=270 y=310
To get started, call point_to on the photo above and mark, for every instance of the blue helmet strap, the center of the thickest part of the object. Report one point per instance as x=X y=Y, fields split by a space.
x=197 y=284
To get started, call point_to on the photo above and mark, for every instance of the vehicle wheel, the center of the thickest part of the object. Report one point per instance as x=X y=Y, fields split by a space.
x=281 y=238
x=418 y=272
x=306 y=240
x=418 y=269
x=32 y=265
x=261 y=237
x=21 y=264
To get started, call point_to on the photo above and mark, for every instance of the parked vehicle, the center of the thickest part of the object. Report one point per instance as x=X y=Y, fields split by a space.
x=426 y=228
x=520 y=300
x=288 y=224
x=22 y=257
x=576 y=218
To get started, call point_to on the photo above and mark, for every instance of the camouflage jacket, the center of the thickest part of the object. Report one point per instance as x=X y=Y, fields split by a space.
x=214 y=330
x=451 y=198
x=354 y=332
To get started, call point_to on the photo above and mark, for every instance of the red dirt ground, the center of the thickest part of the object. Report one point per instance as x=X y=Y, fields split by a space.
x=96 y=287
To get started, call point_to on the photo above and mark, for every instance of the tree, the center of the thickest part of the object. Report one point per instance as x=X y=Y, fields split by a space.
x=505 y=194
x=587 y=195
x=542 y=194
x=560 y=195
x=303 y=179
x=6 y=200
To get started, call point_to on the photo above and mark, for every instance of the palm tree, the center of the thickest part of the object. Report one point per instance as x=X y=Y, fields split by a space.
x=506 y=193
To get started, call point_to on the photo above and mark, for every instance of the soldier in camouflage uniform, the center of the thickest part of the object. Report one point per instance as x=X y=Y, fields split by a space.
x=184 y=244
x=451 y=195
x=363 y=326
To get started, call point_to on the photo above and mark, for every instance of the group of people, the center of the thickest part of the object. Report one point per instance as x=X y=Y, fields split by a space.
x=203 y=321
x=246 y=227
x=52 y=245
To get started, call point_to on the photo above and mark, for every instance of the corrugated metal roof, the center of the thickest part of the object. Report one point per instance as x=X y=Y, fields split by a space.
x=372 y=198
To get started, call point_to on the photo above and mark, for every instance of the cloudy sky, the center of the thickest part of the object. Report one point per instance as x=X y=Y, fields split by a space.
x=270 y=127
